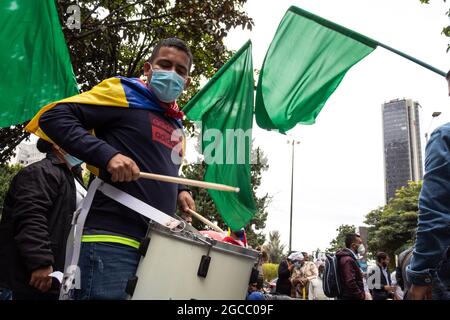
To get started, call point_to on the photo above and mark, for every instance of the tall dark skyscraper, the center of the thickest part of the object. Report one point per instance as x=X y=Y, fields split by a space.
x=402 y=151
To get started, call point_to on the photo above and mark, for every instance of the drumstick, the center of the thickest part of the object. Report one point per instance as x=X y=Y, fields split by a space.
x=189 y=182
x=204 y=220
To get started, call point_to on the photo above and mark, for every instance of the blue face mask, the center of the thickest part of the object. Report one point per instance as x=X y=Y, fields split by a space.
x=72 y=161
x=167 y=85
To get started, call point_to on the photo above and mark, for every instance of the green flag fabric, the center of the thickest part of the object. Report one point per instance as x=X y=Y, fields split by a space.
x=34 y=59
x=307 y=59
x=225 y=108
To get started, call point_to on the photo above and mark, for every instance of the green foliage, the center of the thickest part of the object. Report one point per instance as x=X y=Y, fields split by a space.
x=274 y=248
x=206 y=207
x=10 y=138
x=339 y=242
x=7 y=172
x=392 y=228
x=270 y=271
x=445 y=29
x=117 y=37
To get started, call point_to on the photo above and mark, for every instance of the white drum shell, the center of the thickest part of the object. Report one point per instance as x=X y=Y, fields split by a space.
x=169 y=270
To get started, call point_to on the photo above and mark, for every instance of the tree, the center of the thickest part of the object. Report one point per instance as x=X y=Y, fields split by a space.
x=392 y=228
x=274 y=248
x=445 y=29
x=117 y=36
x=7 y=172
x=206 y=207
x=270 y=271
x=339 y=242
x=9 y=140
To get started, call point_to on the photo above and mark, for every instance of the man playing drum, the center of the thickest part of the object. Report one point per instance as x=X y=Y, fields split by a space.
x=143 y=134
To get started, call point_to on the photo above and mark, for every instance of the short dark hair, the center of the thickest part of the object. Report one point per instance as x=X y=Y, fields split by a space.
x=350 y=238
x=173 y=43
x=381 y=256
x=44 y=146
x=448 y=75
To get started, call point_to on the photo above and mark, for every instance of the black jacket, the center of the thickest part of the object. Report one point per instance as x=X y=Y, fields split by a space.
x=284 y=285
x=36 y=221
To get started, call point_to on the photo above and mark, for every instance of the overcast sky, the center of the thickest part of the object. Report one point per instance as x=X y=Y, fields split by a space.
x=339 y=174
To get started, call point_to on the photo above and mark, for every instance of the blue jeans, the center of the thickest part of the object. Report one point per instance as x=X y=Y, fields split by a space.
x=5 y=294
x=105 y=270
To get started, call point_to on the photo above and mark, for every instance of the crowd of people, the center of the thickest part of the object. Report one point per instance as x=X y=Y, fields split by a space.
x=300 y=276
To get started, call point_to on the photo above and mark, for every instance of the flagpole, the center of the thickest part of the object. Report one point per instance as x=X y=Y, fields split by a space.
x=361 y=38
x=421 y=63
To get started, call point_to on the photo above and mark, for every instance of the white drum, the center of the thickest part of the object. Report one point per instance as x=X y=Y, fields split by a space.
x=170 y=268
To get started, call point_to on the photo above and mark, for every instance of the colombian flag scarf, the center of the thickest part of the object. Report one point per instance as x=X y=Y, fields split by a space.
x=120 y=92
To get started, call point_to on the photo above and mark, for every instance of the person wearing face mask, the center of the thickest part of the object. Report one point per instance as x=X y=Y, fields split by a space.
x=36 y=219
x=137 y=127
x=297 y=259
x=350 y=275
x=285 y=270
x=306 y=272
x=382 y=285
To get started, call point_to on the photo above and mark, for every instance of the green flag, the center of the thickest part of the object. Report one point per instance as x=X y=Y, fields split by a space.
x=225 y=107
x=305 y=63
x=34 y=59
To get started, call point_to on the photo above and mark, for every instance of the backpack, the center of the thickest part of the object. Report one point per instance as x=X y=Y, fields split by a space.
x=330 y=282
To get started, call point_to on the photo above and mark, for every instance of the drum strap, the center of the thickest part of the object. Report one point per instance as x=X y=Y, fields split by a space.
x=71 y=278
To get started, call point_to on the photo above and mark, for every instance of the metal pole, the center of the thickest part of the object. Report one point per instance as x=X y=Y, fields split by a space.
x=421 y=63
x=434 y=115
x=292 y=197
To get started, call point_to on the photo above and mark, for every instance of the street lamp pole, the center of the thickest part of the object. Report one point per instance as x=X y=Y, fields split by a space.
x=434 y=115
x=293 y=143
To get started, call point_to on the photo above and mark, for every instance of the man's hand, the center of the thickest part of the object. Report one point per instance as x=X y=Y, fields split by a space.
x=185 y=202
x=122 y=169
x=40 y=279
x=419 y=292
x=389 y=289
x=295 y=281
